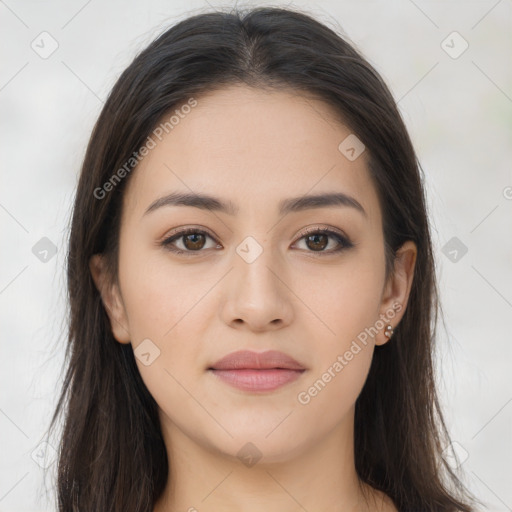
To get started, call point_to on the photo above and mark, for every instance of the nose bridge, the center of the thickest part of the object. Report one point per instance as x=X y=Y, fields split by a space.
x=257 y=296
x=253 y=263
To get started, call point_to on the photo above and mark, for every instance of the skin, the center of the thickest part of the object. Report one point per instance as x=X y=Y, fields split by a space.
x=255 y=148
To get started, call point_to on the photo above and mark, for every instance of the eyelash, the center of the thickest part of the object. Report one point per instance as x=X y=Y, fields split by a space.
x=344 y=242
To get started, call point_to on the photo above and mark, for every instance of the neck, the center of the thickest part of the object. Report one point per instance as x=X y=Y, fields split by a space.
x=317 y=477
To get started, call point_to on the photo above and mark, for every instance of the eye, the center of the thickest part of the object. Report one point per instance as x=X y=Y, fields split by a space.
x=317 y=240
x=192 y=240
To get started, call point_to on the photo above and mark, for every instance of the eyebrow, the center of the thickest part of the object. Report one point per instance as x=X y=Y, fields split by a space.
x=293 y=204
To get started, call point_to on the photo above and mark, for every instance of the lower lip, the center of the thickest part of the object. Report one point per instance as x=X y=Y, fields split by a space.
x=258 y=380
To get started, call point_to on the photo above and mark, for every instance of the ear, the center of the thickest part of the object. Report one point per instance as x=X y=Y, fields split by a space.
x=111 y=298
x=397 y=289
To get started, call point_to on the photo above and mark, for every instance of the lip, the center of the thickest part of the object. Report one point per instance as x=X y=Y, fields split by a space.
x=249 y=360
x=257 y=371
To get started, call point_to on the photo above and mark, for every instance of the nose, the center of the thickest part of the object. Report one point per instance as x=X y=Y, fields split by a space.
x=257 y=296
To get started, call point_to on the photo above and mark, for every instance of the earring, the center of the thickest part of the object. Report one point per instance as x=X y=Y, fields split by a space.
x=389 y=331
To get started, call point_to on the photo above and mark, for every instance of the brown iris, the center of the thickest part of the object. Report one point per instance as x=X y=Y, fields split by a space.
x=196 y=240
x=317 y=245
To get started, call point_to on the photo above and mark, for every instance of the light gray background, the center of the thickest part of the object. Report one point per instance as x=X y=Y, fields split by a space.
x=458 y=111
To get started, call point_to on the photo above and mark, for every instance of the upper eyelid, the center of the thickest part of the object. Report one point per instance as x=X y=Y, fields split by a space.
x=321 y=228
x=187 y=230
x=317 y=227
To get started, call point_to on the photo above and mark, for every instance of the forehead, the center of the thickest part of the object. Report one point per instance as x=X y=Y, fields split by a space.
x=253 y=147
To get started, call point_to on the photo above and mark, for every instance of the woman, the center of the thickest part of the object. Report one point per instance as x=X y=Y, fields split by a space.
x=252 y=285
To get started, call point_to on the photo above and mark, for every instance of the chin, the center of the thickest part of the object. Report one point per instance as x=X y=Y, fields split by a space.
x=251 y=446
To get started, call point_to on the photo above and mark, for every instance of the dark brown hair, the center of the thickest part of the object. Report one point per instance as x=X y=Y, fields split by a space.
x=112 y=455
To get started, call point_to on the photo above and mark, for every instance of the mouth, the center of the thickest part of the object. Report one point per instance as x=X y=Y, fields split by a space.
x=257 y=372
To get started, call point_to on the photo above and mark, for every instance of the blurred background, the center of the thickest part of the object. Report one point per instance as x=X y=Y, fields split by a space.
x=448 y=64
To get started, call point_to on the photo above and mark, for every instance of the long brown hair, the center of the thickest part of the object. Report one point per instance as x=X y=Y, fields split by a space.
x=112 y=455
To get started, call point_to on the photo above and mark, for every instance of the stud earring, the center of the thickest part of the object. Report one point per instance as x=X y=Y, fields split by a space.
x=389 y=331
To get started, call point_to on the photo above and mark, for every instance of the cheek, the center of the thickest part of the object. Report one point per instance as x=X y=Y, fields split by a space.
x=162 y=306
x=159 y=296
x=342 y=300
x=329 y=396
x=346 y=300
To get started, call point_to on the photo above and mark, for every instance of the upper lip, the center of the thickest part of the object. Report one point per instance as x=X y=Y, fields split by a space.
x=245 y=359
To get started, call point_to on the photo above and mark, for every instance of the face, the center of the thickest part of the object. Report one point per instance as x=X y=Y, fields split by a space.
x=250 y=275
